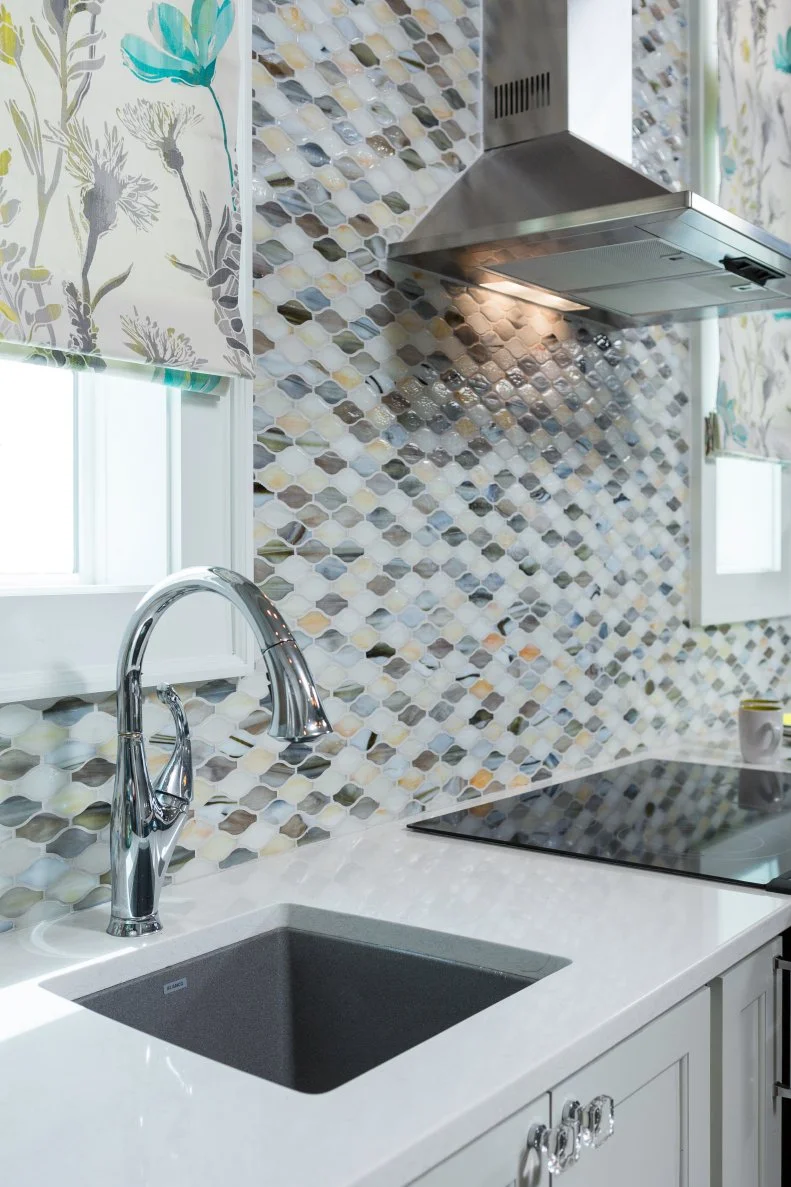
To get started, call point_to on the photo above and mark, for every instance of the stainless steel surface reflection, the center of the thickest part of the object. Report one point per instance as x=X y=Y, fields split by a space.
x=550 y=205
x=147 y=817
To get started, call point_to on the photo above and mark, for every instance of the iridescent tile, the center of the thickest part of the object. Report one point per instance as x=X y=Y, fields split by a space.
x=14 y=903
x=16 y=763
x=41 y=828
x=16 y=809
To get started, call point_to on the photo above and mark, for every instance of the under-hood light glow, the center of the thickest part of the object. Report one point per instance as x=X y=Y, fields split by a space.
x=531 y=292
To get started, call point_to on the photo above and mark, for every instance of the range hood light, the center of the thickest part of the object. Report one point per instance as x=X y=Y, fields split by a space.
x=531 y=292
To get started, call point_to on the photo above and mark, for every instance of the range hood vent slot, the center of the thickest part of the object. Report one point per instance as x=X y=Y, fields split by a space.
x=523 y=94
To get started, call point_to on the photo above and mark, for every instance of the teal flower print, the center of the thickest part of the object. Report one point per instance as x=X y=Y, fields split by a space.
x=782 y=54
x=727 y=163
x=189 y=49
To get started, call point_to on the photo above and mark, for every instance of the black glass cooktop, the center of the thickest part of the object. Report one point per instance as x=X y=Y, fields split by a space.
x=732 y=824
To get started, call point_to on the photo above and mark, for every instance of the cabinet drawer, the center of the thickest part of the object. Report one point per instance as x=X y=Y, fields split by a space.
x=658 y=1079
x=497 y=1159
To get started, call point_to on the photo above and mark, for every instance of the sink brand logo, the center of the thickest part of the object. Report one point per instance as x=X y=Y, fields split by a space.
x=175 y=986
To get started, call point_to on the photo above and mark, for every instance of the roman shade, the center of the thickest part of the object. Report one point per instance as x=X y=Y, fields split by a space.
x=120 y=224
x=753 y=417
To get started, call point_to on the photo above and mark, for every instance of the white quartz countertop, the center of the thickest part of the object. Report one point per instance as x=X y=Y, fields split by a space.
x=87 y=1101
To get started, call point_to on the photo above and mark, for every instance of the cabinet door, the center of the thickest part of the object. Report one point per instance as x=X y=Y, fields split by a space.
x=500 y=1158
x=746 y=1119
x=659 y=1081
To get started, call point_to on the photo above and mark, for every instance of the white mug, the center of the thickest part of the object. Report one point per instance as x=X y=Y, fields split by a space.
x=760 y=729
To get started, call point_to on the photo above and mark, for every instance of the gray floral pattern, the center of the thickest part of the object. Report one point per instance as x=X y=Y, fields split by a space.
x=97 y=263
x=754 y=391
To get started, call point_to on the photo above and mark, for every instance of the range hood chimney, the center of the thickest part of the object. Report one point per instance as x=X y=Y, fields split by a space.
x=551 y=212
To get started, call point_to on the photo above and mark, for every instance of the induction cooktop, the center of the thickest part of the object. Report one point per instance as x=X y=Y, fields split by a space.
x=731 y=824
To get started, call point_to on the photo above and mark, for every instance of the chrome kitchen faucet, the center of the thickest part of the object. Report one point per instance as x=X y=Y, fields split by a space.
x=148 y=817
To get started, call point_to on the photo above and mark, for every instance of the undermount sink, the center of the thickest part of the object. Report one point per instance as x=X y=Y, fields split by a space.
x=320 y=998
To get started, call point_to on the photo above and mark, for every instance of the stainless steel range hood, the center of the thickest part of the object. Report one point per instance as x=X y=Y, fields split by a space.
x=551 y=212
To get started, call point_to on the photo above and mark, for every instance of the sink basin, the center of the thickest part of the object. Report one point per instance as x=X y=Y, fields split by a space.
x=320 y=998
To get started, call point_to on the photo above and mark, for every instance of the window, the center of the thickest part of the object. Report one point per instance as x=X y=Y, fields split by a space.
x=72 y=510
x=107 y=484
x=741 y=519
x=37 y=476
x=749 y=517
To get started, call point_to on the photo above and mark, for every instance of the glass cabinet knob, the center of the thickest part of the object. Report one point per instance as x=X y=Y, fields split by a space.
x=597 y=1121
x=558 y=1143
x=572 y=1115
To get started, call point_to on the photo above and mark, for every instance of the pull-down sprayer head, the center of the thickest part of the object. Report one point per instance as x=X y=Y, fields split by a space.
x=297 y=712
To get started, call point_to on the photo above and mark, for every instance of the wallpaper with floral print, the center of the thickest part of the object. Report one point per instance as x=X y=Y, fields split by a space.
x=120 y=234
x=754 y=394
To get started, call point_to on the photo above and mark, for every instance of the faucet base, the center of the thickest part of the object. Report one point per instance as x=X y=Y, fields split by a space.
x=128 y=928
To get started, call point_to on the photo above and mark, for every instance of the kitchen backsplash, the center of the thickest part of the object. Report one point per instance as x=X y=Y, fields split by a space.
x=474 y=512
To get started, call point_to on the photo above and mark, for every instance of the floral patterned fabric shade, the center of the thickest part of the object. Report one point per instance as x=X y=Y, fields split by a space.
x=754 y=391
x=120 y=232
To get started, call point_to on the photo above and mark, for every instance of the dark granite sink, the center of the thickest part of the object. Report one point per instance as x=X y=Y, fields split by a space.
x=322 y=999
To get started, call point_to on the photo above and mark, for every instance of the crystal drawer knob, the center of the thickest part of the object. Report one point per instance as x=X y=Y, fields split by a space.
x=572 y=1115
x=558 y=1143
x=597 y=1121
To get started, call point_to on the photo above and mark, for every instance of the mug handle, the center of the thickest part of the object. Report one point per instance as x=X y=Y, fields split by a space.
x=770 y=732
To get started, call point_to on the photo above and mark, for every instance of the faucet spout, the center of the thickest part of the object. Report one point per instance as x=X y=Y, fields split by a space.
x=147 y=817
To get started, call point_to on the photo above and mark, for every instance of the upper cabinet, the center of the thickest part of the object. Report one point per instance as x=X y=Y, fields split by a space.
x=741 y=133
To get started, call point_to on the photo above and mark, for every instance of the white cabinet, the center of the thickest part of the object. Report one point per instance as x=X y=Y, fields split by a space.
x=659 y=1081
x=501 y=1158
x=745 y=1118
x=693 y=1100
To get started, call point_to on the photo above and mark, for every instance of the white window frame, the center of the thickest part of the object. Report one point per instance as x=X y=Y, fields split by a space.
x=718 y=598
x=124 y=467
x=64 y=640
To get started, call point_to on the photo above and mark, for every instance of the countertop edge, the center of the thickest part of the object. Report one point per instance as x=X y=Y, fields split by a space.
x=453 y=1137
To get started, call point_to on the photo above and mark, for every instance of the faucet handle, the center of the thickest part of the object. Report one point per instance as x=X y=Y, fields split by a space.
x=175 y=779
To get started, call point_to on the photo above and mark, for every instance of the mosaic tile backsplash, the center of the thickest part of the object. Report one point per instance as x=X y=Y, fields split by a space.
x=473 y=512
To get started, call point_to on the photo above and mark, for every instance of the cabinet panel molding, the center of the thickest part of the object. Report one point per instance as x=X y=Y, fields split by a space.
x=659 y=1079
x=745 y=1117
x=499 y=1158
